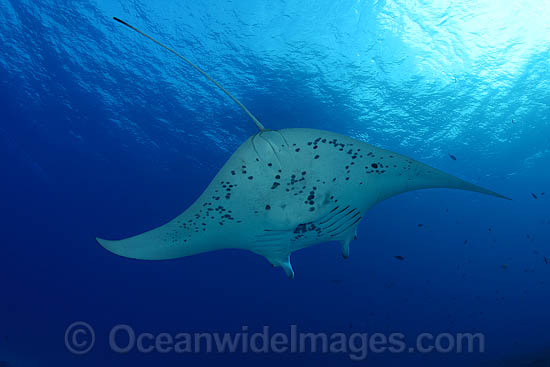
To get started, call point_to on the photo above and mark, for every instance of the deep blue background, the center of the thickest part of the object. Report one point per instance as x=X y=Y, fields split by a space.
x=102 y=133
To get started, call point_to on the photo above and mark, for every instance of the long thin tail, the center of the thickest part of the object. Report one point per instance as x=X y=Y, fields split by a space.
x=254 y=119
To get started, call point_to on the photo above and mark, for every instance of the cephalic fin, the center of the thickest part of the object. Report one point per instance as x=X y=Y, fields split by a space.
x=287 y=267
x=351 y=235
x=282 y=260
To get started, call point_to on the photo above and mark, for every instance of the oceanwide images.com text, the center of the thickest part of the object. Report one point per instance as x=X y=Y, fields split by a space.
x=80 y=338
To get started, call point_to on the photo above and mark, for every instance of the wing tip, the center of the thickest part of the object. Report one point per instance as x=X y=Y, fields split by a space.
x=106 y=244
x=504 y=197
x=115 y=247
x=495 y=194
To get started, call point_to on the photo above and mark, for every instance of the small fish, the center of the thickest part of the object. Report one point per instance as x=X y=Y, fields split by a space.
x=452 y=157
x=504 y=266
x=545 y=260
x=420 y=225
x=399 y=257
x=542 y=193
x=465 y=241
x=534 y=196
x=490 y=229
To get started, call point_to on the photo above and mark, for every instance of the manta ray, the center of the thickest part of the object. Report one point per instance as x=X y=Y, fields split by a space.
x=284 y=190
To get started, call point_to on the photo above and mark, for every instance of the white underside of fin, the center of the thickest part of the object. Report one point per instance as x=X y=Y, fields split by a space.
x=282 y=191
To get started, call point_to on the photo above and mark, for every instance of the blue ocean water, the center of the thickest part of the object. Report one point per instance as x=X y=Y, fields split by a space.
x=103 y=133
